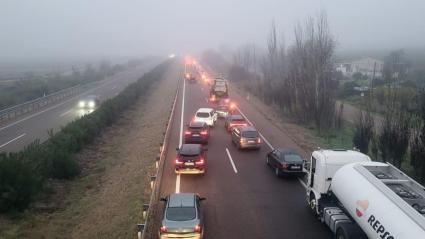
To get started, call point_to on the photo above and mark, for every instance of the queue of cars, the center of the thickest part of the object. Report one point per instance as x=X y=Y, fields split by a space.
x=183 y=215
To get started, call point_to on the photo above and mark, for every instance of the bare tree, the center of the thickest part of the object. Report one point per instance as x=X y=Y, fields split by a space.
x=394 y=137
x=310 y=71
x=363 y=131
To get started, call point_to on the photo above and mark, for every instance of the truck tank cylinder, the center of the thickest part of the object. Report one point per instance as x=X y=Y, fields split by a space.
x=374 y=212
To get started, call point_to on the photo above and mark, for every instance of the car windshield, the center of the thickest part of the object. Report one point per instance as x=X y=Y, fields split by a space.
x=181 y=213
x=202 y=115
x=293 y=158
x=250 y=134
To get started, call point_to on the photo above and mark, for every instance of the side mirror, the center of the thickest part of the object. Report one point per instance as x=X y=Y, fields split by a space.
x=202 y=199
x=177 y=149
x=163 y=199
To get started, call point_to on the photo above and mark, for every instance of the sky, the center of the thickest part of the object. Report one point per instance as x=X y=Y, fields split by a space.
x=31 y=29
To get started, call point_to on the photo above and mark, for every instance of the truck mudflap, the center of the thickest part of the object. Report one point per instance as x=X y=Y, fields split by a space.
x=340 y=223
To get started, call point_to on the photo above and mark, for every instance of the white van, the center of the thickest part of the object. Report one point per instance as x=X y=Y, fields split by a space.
x=206 y=115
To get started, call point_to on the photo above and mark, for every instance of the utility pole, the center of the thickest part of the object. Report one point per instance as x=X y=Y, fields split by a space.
x=371 y=86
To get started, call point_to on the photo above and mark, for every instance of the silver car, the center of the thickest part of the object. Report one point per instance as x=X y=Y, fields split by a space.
x=183 y=217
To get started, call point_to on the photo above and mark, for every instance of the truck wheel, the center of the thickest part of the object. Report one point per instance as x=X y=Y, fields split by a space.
x=313 y=204
x=340 y=234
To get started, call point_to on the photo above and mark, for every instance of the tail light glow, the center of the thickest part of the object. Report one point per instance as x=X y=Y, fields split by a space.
x=187 y=132
x=163 y=229
x=198 y=228
x=204 y=132
x=258 y=141
x=178 y=162
x=200 y=162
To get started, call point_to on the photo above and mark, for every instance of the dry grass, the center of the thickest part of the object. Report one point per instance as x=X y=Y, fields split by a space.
x=106 y=200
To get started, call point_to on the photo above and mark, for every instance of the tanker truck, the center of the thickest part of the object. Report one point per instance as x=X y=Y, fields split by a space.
x=357 y=198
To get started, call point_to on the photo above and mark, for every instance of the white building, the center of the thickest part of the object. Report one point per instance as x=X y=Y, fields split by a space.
x=365 y=66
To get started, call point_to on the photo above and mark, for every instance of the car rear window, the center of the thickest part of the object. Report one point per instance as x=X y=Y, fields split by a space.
x=238 y=120
x=250 y=134
x=202 y=115
x=293 y=158
x=181 y=213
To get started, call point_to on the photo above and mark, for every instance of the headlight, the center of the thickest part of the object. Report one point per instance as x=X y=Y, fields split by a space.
x=92 y=104
x=81 y=104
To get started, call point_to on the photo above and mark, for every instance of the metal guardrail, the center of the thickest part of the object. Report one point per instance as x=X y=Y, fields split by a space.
x=30 y=106
x=156 y=179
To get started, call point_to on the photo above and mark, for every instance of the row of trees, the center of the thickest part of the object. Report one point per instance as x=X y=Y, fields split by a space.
x=297 y=78
x=400 y=137
x=22 y=174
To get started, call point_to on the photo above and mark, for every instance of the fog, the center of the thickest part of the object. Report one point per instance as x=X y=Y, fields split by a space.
x=33 y=29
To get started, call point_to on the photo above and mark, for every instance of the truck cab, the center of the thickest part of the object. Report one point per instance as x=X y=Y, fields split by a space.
x=323 y=165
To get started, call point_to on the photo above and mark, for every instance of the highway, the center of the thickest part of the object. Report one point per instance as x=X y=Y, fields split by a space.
x=244 y=197
x=16 y=135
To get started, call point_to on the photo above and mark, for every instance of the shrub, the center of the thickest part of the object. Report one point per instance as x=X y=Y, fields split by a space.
x=19 y=182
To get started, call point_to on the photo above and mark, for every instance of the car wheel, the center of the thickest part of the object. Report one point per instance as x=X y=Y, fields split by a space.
x=277 y=172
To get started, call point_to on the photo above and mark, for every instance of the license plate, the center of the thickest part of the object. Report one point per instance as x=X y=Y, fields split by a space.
x=195 y=135
x=296 y=167
x=189 y=164
x=251 y=141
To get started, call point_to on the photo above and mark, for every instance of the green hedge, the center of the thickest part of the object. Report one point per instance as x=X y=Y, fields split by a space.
x=22 y=174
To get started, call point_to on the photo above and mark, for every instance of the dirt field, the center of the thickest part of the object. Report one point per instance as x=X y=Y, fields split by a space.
x=106 y=200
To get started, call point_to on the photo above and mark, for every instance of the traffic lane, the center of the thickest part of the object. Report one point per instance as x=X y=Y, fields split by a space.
x=36 y=126
x=275 y=199
x=276 y=136
x=272 y=199
x=227 y=211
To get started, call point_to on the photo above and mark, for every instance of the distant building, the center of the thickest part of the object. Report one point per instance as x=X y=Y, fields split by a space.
x=365 y=66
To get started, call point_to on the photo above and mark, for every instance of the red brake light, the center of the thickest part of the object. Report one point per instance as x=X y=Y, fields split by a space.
x=163 y=229
x=204 y=132
x=200 y=162
x=187 y=132
x=198 y=228
x=178 y=162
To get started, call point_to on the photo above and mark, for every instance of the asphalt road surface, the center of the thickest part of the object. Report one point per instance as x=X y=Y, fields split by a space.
x=17 y=134
x=244 y=197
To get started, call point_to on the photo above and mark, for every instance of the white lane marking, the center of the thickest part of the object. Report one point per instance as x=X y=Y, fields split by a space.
x=178 y=183
x=53 y=107
x=65 y=113
x=20 y=136
x=265 y=140
x=182 y=116
x=181 y=134
x=231 y=160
